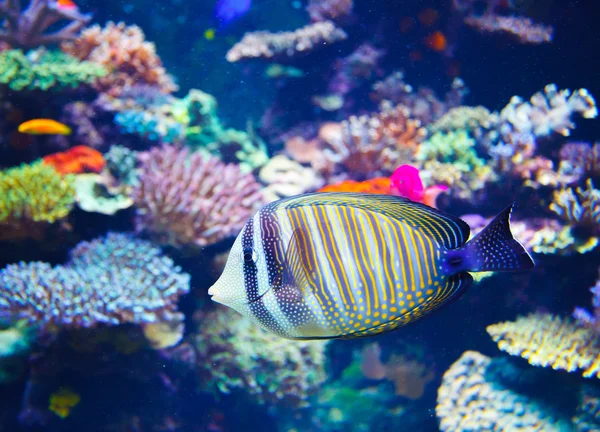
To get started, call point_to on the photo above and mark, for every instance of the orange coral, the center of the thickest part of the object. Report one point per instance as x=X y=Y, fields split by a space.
x=378 y=185
x=124 y=51
x=76 y=160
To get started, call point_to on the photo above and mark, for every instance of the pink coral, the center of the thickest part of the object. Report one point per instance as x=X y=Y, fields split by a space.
x=188 y=199
x=523 y=28
x=268 y=45
x=124 y=51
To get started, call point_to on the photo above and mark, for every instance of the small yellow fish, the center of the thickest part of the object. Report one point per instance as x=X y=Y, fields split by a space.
x=44 y=127
x=209 y=34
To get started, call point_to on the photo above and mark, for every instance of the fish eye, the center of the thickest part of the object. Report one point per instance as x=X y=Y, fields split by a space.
x=249 y=255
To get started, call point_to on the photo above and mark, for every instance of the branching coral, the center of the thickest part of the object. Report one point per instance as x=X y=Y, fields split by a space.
x=587 y=319
x=579 y=207
x=188 y=199
x=548 y=111
x=367 y=146
x=124 y=51
x=45 y=70
x=469 y=400
x=322 y=10
x=550 y=341
x=268 y=45
x=27 y=28
x=578 y=159
x=233 y=354
x=523 y=28
x=33 y=194
x=112 y=280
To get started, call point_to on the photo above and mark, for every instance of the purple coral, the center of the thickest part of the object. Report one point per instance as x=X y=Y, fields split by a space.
x=189 y=199
x=112 y=280
x=590 y=319
x=27 y=28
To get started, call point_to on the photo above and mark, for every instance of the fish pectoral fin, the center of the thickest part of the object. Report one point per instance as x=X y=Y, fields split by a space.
x=298 y=265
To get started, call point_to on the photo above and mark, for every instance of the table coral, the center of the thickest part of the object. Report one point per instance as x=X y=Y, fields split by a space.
x=233 y=354
x=550 y=341
x=469 y=400
x=123 y=50
x=266 y=45
x=111 y=280
x=33 y=194
x=45 y=70
x=27 y=28
x=188 y=199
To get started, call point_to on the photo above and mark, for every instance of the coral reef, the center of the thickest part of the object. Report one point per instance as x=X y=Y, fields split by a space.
x=31 y=195
x=233 y=354
x=112 y=280
x=275 y=46
x=44 y=70
x=188 y=199
x=28 y=28
x=468 y=400
x=550 y=341
x=123 y=51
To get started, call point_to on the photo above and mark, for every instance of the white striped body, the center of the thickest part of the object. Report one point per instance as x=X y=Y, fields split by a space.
x=366 y=272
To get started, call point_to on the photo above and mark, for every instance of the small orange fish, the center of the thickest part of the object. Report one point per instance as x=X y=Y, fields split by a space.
x=66 y=4
x=436 y=41
x=44 y=127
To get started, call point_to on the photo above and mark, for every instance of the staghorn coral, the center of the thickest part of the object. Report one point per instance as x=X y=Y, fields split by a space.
x=233 y=354
x=548 y=111
x=367 y=146
x=273 y=46
x=525 y=30
x=46 y=70
x=33 y=195
x=188 y=199
x=124 y=51
x=323 y=10
x=27 y=28
x=550 y=341
x=579 y=207
x=111 y=280
x=469 y=399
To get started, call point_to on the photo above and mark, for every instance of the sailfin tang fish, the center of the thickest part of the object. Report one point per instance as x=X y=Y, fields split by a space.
x=346 y=265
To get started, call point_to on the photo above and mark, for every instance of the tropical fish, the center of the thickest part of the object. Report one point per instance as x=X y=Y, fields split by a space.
x=406 y=182
x=66 y=4
x=346 y=265
x=227 y=11
x=44 y=127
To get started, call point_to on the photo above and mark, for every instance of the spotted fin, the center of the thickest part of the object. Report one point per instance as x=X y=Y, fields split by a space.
x=450 y=231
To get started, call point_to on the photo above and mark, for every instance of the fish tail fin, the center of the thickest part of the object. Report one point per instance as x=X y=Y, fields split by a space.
x=493 y=249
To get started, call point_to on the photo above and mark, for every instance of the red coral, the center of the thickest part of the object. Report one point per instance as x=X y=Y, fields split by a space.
x=76 y=160
x=124 y=51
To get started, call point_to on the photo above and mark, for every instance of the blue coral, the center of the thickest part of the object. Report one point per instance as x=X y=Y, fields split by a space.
x=149 y=125
x=112 y=280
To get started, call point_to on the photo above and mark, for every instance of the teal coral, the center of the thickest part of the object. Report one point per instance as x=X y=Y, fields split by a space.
x=233 y=354
x=44 y=70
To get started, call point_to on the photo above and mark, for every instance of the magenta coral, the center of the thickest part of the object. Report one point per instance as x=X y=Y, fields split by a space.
x=112 y=280
x=189 y=199
x=124 y=51
x=27 y=28
x=268 y=45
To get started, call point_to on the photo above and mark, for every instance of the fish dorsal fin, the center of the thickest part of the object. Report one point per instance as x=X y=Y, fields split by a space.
x=448 y=230
x=299 y=264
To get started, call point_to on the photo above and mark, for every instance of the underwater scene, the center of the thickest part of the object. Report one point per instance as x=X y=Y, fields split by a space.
x=299 y=215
